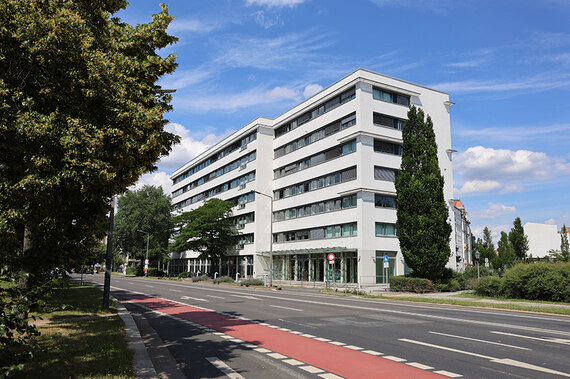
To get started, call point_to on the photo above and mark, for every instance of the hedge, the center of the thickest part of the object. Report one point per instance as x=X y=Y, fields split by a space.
x=403 y=283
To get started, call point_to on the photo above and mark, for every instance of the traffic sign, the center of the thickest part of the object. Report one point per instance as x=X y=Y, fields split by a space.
x=386 y=264
x=386 y=259
x=330 y=257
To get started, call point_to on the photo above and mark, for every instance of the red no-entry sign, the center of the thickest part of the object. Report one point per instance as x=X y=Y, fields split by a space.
x=330 y=257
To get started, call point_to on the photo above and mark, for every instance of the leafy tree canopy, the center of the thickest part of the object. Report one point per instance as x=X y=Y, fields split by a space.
x=80 y=120
x=207 y=230
x=486 y=246
x=422 y=226
x=147 y=209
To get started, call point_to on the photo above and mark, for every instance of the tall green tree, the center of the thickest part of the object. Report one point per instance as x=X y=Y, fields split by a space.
x=207 y=230
x=564 y=253
x=422 y=226
x=518 y=240
x=147 y=209
x=486 y=246
x=505 y=253
x=80 y=120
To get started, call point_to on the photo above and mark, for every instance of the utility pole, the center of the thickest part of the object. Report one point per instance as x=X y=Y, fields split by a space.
x=109 y=256
x=146 y=258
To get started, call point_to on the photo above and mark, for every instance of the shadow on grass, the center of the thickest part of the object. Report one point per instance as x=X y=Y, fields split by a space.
x=86 y=348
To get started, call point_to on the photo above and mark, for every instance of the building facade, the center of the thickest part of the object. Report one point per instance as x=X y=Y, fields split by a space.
x=463 y=236
x=316 y=180
x=541 y=239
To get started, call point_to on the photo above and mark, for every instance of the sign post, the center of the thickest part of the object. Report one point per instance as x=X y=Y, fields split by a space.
x=386 y=268
x=330 y=258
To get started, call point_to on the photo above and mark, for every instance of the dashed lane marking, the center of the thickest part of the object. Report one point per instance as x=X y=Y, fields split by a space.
x=288 y=308
x=230 y=373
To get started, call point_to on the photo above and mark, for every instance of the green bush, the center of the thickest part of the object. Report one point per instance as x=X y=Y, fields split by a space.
x=403 y=283
x=471 y=272
x=131 y=270
x=538 y=281
x=251 y=282
x=184 y=275
x=153 y=271
x=201 y=278
x=223 y=279
x=489 y=286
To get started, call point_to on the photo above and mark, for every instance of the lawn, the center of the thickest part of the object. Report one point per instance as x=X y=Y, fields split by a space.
x=80 y=340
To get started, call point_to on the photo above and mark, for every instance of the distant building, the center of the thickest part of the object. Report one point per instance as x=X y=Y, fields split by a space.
x=318 y=182
x=541 y=239
x=463 y=248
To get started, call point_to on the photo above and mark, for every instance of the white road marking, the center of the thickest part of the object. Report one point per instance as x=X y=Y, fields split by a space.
x=217 y=297
x=337 y=343
x=554 y=340
x=224 y=368
x=419 y=365
x=395 y=359
x=293 y=362
x=478 y=340
x=174 y=290
x=247 y=297
x=328 y=375
x=291 y=309
x=323 y=339
x=277 y=356
x=192 y=298
x=352 y=347
x=311 y=369
x=505 y=361
x=146 y=285
x=262 y=350
x=448 y=374
x=372 y=352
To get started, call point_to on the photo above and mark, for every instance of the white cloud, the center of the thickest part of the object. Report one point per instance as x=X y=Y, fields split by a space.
x=274 y=3
x=188 y=148
x=512 y=188
x=487 y=169
x=231 y=102
x=311 y=89
x=267 y=21
x=494 y=211
x=475 y=186
x=159 y=179
x=195 y=25
x=537 y=83
x=514 y=134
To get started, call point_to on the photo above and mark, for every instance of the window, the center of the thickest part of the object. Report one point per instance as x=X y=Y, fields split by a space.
x=384 y=173
x=384 y=229
x=382 y=201
x=390 y=97
x=387 y=147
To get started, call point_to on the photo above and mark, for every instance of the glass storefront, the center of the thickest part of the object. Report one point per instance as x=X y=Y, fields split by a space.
x=316 y=268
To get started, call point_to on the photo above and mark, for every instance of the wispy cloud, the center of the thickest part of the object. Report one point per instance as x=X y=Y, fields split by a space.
x=494 y=211
x=439 y=6
x=275 y=3
x=516 y=133
x=231 y=102
x=537 y=83
x=311 y=89
x=284 y=52
x=468 y=63
x=205 y=25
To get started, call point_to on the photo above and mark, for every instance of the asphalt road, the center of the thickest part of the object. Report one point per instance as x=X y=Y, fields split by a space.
x=212 y=331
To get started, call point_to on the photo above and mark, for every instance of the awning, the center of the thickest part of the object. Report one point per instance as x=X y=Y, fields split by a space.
x=319 y=250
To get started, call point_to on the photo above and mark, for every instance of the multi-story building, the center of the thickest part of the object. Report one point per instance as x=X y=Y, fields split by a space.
x=316 y=180
x=463 y=246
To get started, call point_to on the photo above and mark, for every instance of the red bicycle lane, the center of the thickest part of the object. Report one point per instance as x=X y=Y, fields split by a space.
x=335 y=359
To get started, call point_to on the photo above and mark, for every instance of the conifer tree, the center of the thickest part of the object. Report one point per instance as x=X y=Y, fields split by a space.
x=518 y=240
x=422 y=226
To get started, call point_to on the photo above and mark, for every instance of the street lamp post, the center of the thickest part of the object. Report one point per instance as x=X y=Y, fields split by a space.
x=477 y=256
x=146 y=258
x=270 y=239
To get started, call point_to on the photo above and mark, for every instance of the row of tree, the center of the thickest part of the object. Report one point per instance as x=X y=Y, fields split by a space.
x=147 y=214
x=512 y=247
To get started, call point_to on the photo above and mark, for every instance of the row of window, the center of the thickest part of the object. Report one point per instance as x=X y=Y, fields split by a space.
x=241 y=163
x=386 y=147
x=316 y=159
x=388 y=121
x=241 y=181
x=244 y=219
x=316 y=112
x=390 y=97
x=333 y=231
x=314 y=184
x=316 y=208
x=245 y=239
x=319 y=134
x=383 y=201
x=230 y=149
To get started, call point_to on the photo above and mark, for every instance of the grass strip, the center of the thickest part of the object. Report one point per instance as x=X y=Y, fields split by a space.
x=81 y=340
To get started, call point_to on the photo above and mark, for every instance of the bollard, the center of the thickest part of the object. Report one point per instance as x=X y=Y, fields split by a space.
x=237 y=276
x=265 y=280
x=215 y=275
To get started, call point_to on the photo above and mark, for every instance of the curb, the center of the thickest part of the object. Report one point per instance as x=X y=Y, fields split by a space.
x=141 y=362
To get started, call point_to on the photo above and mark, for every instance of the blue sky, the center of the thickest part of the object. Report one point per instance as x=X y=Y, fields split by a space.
x=506 y=65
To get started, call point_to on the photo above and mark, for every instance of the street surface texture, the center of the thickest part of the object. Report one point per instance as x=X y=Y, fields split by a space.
x=211 y=331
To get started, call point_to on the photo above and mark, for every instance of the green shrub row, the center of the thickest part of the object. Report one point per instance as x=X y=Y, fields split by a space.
x=251 y=282
x=534 y=281
x=223 y=279
x=409 y=284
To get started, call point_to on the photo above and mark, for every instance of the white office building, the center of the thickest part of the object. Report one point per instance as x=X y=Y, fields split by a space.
x=327 y=168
